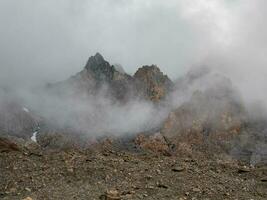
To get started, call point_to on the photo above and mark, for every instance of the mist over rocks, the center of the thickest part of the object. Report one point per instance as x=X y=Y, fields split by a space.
x=15 y=119
x=211 y=114
x=201 y=108
x=100 y=100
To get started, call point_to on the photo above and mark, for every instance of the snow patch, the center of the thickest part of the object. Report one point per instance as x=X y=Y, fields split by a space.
x=33 y=138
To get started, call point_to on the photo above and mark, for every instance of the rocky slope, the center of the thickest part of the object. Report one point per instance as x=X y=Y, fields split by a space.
x=104 y=172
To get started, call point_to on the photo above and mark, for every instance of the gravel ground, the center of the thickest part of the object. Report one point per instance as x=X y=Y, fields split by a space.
x=108 y=174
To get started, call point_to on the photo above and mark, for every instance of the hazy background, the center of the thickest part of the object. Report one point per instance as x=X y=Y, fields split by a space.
x=51 y=40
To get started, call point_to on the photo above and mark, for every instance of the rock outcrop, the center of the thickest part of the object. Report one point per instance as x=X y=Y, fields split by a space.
x=153 y=84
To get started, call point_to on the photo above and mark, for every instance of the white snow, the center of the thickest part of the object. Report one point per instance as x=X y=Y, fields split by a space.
x=33 y=138
x=25 y=109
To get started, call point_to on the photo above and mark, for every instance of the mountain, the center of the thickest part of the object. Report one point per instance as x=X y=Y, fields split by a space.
x=99 y=75
x=100 y=99
x=104 y=134
x=202 y=109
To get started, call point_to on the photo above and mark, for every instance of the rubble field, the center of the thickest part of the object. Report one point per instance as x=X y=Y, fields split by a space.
x=34 y=173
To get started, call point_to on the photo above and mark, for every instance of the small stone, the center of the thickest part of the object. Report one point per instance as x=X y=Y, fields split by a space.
x=196 y=190
x=128 y=192
x=149 y=177
x=227 y=194
x=178 y=169
x=161 y=185
x=28 y=198
x=264 y=179
x=111 y=195
x=70 y=170
x=150 y=187
x=243 y=170
x=13 y=190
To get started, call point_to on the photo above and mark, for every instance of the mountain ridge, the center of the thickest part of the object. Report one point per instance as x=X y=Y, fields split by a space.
x=147 y=83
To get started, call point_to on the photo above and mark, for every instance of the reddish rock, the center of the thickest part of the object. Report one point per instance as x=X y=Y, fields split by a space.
x=7 y=145
x=152 y=82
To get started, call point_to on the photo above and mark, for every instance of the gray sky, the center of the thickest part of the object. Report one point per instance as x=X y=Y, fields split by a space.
x=52 y=39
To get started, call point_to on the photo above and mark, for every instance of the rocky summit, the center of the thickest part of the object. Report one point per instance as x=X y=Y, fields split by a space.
x=100 y=69
x=147 y=83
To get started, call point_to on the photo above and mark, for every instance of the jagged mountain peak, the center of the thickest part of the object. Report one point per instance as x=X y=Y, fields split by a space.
x=95 y=60
x=99 y=68
x=147 y=83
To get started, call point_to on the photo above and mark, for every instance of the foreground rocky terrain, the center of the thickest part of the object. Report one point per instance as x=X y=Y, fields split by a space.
x=108 y=172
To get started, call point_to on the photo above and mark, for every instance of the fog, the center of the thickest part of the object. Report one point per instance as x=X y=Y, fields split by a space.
x=48 y=41
x=51 y=40
x=93 y=114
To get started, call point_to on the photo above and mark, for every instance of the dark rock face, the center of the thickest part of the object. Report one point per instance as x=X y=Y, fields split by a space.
x=120 y=86
x=98 y=76
x=100 y=69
